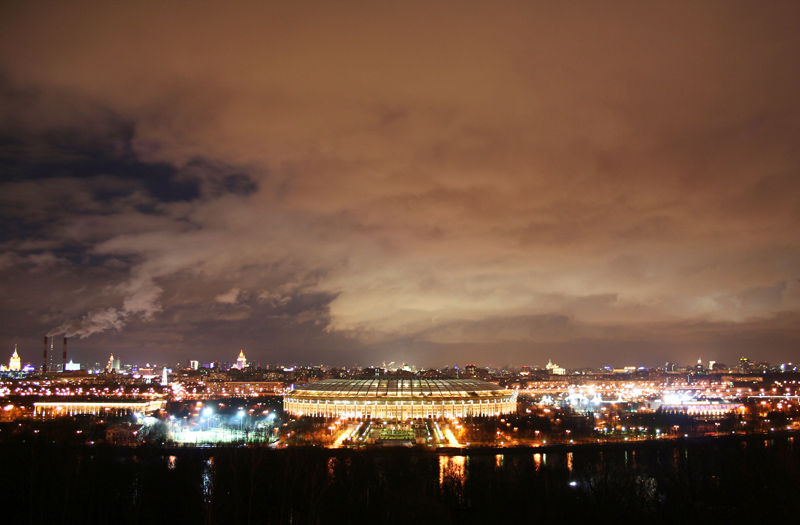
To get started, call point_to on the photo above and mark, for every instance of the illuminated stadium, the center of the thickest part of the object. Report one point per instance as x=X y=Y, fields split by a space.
x=400 y=398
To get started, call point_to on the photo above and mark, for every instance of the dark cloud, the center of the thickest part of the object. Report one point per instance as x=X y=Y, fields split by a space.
x=360 y=182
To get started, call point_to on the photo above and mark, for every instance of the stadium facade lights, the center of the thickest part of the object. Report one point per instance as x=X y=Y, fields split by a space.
x=400 y=398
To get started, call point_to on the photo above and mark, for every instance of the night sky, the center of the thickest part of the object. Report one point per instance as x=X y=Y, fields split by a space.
x=596 y=183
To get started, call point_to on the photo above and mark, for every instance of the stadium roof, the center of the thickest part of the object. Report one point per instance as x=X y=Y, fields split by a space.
x=400 y=388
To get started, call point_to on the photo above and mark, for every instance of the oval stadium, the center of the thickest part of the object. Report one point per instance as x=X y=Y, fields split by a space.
x=400 y=398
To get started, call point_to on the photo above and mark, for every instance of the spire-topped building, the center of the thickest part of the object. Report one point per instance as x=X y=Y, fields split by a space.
x=241 y=361
x=15 y=363
x=554 y=368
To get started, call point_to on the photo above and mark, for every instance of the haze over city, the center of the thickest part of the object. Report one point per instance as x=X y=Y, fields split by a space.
x=609 y=183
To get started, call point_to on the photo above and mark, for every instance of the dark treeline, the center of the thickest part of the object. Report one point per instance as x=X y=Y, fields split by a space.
x=694 y=482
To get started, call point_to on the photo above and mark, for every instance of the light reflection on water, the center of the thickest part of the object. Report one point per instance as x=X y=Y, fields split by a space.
x=452 y=470
x=208 y=480
x=332 y=468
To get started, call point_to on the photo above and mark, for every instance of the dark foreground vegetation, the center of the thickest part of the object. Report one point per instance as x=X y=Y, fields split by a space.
x=704 y=481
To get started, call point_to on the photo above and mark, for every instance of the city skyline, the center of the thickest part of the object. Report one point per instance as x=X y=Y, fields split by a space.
x=432 y=184
x=54 y=364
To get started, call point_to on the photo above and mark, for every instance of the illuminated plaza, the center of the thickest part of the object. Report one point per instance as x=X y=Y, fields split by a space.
x=400 y=398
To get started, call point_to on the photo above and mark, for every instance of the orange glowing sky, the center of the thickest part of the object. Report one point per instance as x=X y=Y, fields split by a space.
x=431 y=182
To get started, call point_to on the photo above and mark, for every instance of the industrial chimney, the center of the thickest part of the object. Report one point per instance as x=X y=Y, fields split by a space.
x=44 y=356
x=64 y=366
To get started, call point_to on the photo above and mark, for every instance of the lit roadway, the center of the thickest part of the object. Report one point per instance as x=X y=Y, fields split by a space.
x=453 y=442
x=344 y=435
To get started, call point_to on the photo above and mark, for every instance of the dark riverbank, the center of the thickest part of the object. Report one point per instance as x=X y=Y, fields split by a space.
x=730 y=478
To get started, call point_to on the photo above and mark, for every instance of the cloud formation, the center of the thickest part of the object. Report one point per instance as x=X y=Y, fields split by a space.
x=433 y=180
x=230 y=297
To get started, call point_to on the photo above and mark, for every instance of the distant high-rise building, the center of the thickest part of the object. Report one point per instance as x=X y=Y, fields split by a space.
x=114 y=365
x=194 y=365
x=15 y=363
x=241 y=361
x=744 y=365
x=72 y=367
x=699 y=368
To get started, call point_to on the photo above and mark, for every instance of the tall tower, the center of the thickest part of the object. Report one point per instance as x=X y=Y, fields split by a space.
x=15 y=363
x=241 y=361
